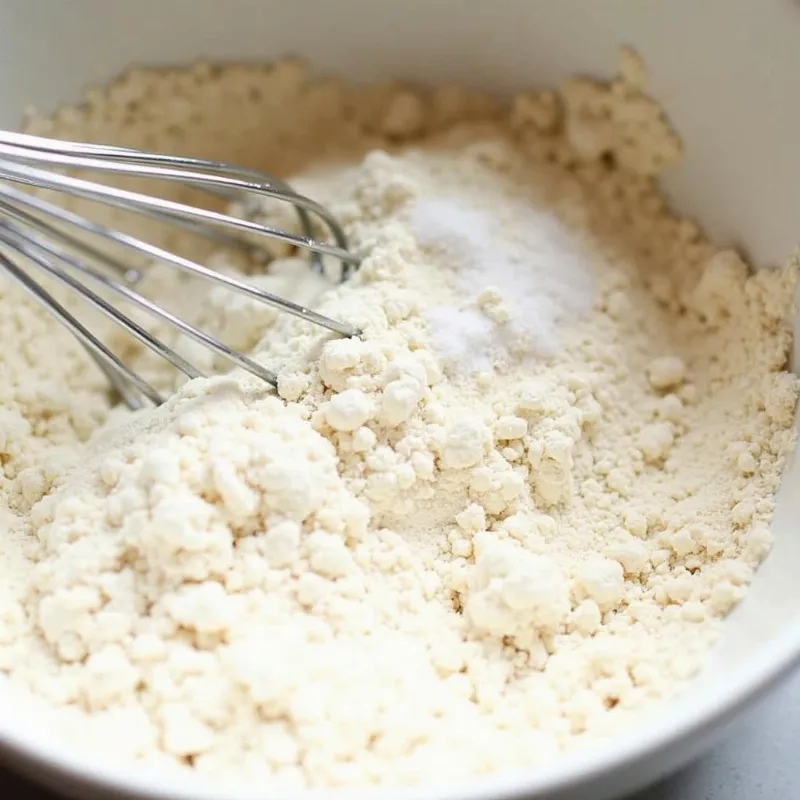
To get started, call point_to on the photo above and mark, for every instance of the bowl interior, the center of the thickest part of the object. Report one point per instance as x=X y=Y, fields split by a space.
x=726 y=79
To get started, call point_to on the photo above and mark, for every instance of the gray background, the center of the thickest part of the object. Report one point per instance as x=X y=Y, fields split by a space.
x=759 y=761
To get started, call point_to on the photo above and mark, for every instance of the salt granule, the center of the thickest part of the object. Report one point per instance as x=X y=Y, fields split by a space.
x=539 y=270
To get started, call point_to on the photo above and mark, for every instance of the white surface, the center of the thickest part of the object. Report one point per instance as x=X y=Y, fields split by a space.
x=728 y=72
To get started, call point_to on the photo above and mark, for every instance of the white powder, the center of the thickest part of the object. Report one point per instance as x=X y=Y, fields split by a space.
x=519 y=276
x=389 y=574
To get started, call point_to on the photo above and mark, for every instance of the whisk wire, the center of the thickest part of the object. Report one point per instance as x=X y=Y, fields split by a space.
x=15 y=238
x=126 y=272
x=214 y=176
x=30 y=247
x=83 y=334
x=20 y=146
x=168 y=210
x=158 y=253
x=53 y=250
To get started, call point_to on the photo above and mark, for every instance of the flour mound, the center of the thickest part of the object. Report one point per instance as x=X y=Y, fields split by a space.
x=505 y=523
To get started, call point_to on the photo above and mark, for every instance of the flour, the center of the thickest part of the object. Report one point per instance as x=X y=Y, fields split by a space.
x=440 y=549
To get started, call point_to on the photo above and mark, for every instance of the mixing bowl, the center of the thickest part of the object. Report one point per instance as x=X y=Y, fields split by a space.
x=728 y=72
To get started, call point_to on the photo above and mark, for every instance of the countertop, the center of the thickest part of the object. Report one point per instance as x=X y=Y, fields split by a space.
x=758 y=762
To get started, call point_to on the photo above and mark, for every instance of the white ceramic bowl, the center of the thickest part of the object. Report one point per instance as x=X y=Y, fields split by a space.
x=728 y=72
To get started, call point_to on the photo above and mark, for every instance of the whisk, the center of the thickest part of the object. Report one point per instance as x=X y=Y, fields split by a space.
x=42 y=234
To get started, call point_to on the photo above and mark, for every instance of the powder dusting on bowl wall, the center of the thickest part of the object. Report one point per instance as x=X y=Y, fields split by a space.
x=503 y=525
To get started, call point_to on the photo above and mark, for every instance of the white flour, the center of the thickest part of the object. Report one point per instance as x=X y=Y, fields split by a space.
x=399 y=571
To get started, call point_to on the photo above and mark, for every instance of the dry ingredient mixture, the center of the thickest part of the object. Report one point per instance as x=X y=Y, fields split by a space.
x=505 y=524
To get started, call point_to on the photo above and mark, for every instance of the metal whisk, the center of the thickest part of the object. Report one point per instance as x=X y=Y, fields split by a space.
x=27 y=229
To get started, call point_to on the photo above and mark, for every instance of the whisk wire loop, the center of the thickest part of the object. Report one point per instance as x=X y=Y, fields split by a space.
x=26 y=231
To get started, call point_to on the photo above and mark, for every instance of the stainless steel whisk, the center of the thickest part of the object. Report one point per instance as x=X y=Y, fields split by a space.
x=27 y=230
